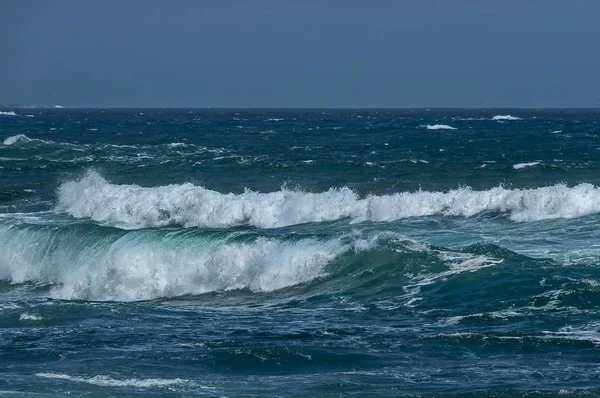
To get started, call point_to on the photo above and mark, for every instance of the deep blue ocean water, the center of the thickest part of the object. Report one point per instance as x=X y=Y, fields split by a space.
x=417 y=253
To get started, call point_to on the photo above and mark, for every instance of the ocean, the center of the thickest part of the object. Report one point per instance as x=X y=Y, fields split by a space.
x=318 y=252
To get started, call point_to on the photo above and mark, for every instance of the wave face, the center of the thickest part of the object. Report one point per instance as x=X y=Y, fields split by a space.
x=88 y=262
x=142 y=265
x=188 y=205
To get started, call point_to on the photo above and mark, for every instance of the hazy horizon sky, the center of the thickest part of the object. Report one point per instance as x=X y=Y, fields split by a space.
x=262 y=53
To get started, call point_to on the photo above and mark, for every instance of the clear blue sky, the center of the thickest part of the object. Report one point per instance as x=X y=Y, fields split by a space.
x=255 y=53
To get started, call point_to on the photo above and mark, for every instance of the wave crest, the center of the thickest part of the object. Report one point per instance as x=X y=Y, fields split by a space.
x=439 y=127
x=505 y=117
x=188 y=205
x=21 y=139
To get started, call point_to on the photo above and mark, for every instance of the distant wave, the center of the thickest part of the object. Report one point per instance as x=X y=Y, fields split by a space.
x=10 y=113
x=21 y=139
x=523 y=165
x=439 y=127
x=188 y=205
x=106 y=381
x=505 y=117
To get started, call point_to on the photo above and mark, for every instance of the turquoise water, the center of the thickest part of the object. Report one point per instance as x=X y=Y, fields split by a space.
x=185 y=252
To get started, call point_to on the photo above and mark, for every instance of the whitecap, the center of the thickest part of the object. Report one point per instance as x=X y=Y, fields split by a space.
x=523 y=165
x=505 y=117
x=189 y=205
x=439 y=127
x=29 y=317
x=17 y=139
x=9 y=113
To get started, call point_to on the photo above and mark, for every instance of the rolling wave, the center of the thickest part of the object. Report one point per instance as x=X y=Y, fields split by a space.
x=88 y=262
x=188 y=205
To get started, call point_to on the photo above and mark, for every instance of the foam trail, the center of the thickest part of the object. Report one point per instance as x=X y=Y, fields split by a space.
x=523 y=165
x=439 y=127
x=505 y=117
x=105 y=381
x=188 y=205
x=143 y=265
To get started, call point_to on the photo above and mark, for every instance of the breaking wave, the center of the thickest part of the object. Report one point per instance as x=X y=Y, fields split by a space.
x=189 y=205
x=523 y=165
x=96 y=264
x=439 y=127
x=21 y=139
x=505 y=117
x=89 y=262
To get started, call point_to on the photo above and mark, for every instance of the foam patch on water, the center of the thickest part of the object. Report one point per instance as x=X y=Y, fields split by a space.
x=439 y=127
x=29 y=317
x=188 y=205
x=105 y=381
x=505 y=117
x=524 y=165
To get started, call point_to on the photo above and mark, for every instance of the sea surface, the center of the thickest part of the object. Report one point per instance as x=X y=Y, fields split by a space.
x=206 y=252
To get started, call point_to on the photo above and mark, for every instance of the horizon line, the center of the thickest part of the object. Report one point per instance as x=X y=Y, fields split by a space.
x=59 y=107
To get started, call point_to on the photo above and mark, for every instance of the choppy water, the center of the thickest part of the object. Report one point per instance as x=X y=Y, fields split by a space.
x=434 y=253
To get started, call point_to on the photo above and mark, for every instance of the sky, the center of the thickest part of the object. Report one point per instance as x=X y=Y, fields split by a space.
x=260 y=53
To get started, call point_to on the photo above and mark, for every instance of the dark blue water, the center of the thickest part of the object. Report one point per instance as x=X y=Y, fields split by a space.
x=418 y=253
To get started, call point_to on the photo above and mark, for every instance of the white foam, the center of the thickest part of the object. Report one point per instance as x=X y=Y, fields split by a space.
x=58 y=106
x=10 y=113
x=523 y=165
x=177 y=145
x=505 y=117
x=106 y=381
x=29 y=317
x=16 y=139
x=188 y=205
x=439 y=127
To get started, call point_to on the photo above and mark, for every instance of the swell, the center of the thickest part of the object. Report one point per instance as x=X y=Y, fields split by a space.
x=188 y=205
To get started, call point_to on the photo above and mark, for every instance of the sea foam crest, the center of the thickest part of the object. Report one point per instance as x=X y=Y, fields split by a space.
x=188 y=205
x=439 y=127
x=10 y=113
x=22 y=139
x=524 y=165
x=16 y=139
x=505 y=117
